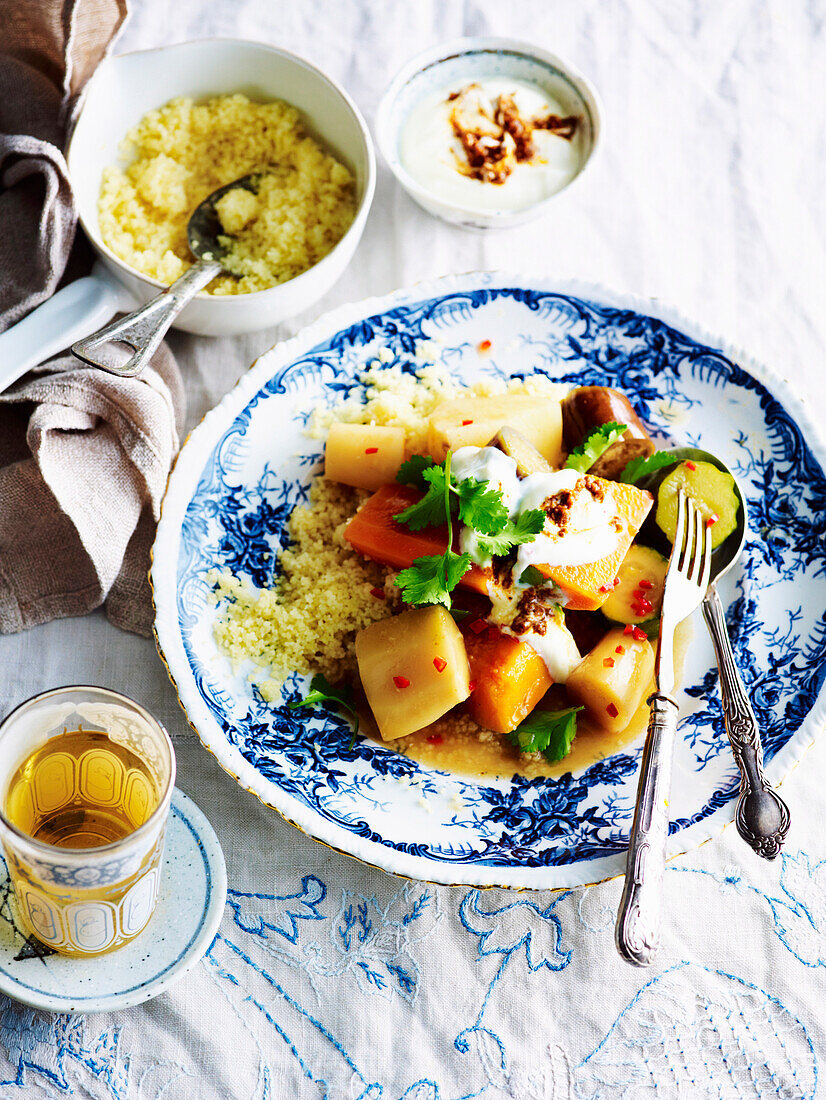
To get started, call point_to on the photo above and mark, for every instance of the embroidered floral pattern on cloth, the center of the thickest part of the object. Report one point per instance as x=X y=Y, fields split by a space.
x=329 y=980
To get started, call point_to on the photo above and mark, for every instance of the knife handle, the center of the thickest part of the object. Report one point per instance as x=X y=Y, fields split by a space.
x=637 y=931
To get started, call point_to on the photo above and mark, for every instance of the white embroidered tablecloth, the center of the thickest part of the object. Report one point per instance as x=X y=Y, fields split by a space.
x=329 y=979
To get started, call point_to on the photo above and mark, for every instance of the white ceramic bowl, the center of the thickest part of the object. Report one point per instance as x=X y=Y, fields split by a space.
x=466 y=60
x=124 y=88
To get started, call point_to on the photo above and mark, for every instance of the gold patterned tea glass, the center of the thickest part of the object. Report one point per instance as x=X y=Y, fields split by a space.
x=86 y=779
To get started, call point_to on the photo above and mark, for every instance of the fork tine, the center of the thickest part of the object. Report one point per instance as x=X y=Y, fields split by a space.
x=706 y=575
x=698 y=552
x=674 y=563
x=688 y=548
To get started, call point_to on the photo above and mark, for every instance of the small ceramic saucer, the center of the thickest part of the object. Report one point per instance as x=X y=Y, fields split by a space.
x=190 y=906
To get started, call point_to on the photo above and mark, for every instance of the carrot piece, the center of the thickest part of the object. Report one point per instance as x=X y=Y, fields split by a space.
x=374 y=533
x=510 y=679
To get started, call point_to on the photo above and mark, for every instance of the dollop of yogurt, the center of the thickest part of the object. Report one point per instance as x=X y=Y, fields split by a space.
x=585 y=533
x=432 y=153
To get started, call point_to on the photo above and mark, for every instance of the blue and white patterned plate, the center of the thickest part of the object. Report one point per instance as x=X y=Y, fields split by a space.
x=249 y=463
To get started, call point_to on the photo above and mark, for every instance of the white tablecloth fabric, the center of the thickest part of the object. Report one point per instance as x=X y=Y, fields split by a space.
x=332 y=980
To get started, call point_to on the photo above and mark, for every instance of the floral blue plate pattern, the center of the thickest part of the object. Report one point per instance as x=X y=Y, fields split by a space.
x=249 y=463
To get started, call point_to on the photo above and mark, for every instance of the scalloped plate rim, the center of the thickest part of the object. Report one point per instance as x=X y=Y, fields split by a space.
x=190 y=462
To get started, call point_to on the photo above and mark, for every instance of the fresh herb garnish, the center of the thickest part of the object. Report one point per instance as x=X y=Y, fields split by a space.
x=410 y=472
x=532 y=577
x=640 y=467
x=431 y=510
x=481 y=507
x=431 y=579
x=322 y=691
x=475 y=504
x=594 y=445
x=524 y=528
x=550 y=732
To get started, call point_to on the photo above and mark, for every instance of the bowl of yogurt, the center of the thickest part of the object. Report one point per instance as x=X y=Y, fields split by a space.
x=485 y=132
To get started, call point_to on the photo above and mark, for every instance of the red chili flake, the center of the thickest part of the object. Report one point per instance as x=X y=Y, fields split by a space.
x=401 y=681
x=435 y=738
x=620 y=649
x=608 y=662
x=612 y=710
x=371 y=450
x=466 y=422
x=642 y=606
x=691 y=465
x=379 y=593
x=712 y=519
x=628 y=629
x=440 y=664
x=639 y=594
x=647 y=585
x=639 y=634
x=605 y=587
x=492 y=634
x=478 y=625
x=471 y=685
x=484 y=346
x=616 y=581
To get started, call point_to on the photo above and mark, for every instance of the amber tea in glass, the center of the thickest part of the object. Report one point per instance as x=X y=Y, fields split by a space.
x=83 y=815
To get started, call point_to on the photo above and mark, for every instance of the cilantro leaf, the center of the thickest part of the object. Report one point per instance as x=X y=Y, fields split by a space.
x=431 y=579
x=322 y=691
x=532 y=577
x=550 y=732
x=594 y=445
x=410 y=472
x=528 y=525
x=513 y=533
x=430 y=510
x=640 y=467
x=481 y=507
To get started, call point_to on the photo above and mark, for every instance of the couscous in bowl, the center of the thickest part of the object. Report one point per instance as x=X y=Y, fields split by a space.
x=143 y=81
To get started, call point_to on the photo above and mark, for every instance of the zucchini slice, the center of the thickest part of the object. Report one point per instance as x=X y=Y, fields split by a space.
x=633 y=601
x=713 y=493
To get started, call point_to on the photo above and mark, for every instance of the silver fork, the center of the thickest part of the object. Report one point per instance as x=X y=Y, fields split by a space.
x=640 y=908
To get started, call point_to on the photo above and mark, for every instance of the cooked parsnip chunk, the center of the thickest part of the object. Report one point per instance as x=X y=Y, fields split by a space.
x=473 y=421
x=611 y=681
x=363 y=455
x=413 y=669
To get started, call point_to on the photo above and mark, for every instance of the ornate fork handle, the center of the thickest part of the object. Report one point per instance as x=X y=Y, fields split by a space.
x=640 y=908
x=762 y=816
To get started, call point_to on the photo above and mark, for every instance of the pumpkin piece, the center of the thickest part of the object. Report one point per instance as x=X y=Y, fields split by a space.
x=509 y=679
x=363 y=455
x=474 y=421
x=374 y=533
x=586 y=587
x=612 y=679
x=413 y=669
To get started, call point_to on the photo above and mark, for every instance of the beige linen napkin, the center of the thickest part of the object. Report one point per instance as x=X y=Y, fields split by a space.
x=84 y=456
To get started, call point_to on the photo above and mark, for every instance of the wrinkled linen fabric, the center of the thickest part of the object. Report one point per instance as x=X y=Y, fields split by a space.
x=82 y=483
x=332 y=980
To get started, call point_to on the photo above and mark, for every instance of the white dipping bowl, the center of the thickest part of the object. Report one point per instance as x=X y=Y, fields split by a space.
x=474 y=59
x=124 y=88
